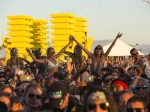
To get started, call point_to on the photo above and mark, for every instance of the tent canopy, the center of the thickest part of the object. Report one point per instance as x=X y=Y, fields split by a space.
x=119 y=49
x=143 y=48
x=2 y=53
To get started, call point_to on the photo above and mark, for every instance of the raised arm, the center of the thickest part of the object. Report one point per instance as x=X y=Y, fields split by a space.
x=84 y=49
x=113 y=43
x=28 y=62
x=68 y=53
x=62 y=50
x=34 y=58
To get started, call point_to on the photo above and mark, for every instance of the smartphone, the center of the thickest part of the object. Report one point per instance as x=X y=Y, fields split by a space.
x=24 y=78
x=89 y=78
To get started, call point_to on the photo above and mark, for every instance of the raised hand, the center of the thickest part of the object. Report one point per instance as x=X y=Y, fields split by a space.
x=71 y=38
x=28 y=50
x=119 y=35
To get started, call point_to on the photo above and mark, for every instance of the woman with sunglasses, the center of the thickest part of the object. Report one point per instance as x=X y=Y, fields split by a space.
x=51 y=60
x=14 y=62
x=99 y=100
x=98 y=57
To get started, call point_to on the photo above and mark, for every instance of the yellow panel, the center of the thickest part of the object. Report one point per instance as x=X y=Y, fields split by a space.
x=19 y=17
x=21 y=46
x=81 y=19
x=63 y=32
x=63 y=21
x=81 y=24
x=20 y=40
x=19 y=23
x=19 y=28
x=39 y=21
x=62 y=15
x=60 y=26
x=15 y=34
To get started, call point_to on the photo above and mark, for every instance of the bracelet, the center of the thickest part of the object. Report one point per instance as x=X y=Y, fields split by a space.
x=137 y=76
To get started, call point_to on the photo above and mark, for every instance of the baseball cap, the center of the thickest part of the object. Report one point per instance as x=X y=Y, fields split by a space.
x=57 y=92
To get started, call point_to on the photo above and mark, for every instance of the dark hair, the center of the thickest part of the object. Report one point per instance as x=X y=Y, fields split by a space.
x=48 y=50
x=109 y=98
x=132 y=50
x=84 y=70
x=115 y=71
x=38 y=51
x=17 y=99
x=107 y=69
x=104 y=76
x=3 y=107
x=135 y=99
x=11 y=51
x=33 y=86
x=6 y=86
x=97 y=82
x=83 y=89
x=11 y=104
x=102 y=53
x=79 y=49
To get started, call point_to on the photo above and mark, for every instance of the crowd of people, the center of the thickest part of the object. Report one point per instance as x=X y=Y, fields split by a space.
x=95 y=84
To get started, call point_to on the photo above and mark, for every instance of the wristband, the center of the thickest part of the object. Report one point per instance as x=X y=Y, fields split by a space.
x=137 y=76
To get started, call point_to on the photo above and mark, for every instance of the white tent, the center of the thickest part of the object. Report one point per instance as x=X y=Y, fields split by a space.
x=143 y=48
x=2 y=53
x=119 y=49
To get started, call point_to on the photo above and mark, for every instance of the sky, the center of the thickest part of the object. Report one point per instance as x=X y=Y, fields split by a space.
x=106 y=18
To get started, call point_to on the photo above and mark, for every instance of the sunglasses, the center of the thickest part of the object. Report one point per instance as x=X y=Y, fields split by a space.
x=14 y=51
x=103 y=106
x=136 y=109
x=135 y=53
x=7 y=94
x=2 y=81
x=106 y=81
x=33 y=95
x=98 y=48
x=143 y=87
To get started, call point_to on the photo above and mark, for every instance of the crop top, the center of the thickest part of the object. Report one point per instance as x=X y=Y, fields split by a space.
x=51 y=65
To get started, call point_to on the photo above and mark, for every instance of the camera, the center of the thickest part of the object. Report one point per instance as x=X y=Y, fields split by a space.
x=25 y=78
x=88 y=78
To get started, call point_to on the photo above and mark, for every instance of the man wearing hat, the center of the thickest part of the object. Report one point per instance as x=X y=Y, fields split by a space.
x=118 y=85
x=59 y=98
